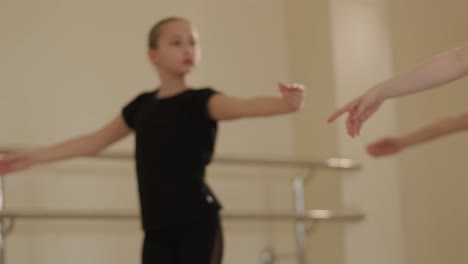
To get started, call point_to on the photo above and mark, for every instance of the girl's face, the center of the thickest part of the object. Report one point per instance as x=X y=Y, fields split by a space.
x=177 y=49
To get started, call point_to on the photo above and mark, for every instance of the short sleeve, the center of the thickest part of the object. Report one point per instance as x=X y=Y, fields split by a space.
x=130 y=111
x=203 y=97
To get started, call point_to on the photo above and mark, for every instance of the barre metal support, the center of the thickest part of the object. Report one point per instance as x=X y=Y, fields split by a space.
x=301 y=228
x=267 y=256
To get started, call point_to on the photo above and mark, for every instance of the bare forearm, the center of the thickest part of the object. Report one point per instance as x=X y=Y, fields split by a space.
x=440 y=128
x=81 y=146
x=441 y=69
x=266 y=106
x=223 y=107
x=87 y=145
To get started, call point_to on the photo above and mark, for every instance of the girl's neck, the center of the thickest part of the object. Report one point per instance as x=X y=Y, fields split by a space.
x=172 y=85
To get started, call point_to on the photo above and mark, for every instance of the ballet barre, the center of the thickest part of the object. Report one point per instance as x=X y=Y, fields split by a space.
x=330 y=163
x=301 y=216
x=309 y=215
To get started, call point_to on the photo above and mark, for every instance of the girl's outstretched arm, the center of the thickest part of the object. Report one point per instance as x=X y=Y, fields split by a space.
x=223 y=107
x=86 y=145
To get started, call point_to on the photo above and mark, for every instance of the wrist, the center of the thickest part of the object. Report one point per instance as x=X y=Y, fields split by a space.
x=379 y=92
x=291 y=106
x=35 y=158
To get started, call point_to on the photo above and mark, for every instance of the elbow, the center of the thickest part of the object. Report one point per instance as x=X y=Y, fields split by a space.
x=94 y=146
x=90 y=152
x=245 y=109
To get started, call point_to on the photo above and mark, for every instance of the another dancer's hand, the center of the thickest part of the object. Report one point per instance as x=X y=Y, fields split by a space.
x=359 y=110
x=385 y=147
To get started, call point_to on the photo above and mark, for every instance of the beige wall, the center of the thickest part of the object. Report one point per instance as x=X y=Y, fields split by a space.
x=311 y=63
x=433 y=176
x=362 y=56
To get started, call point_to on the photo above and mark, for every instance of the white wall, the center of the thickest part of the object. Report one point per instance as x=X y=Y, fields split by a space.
x=362 y=56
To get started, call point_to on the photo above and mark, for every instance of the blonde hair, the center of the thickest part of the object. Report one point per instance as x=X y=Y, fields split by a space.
x=155 y=31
